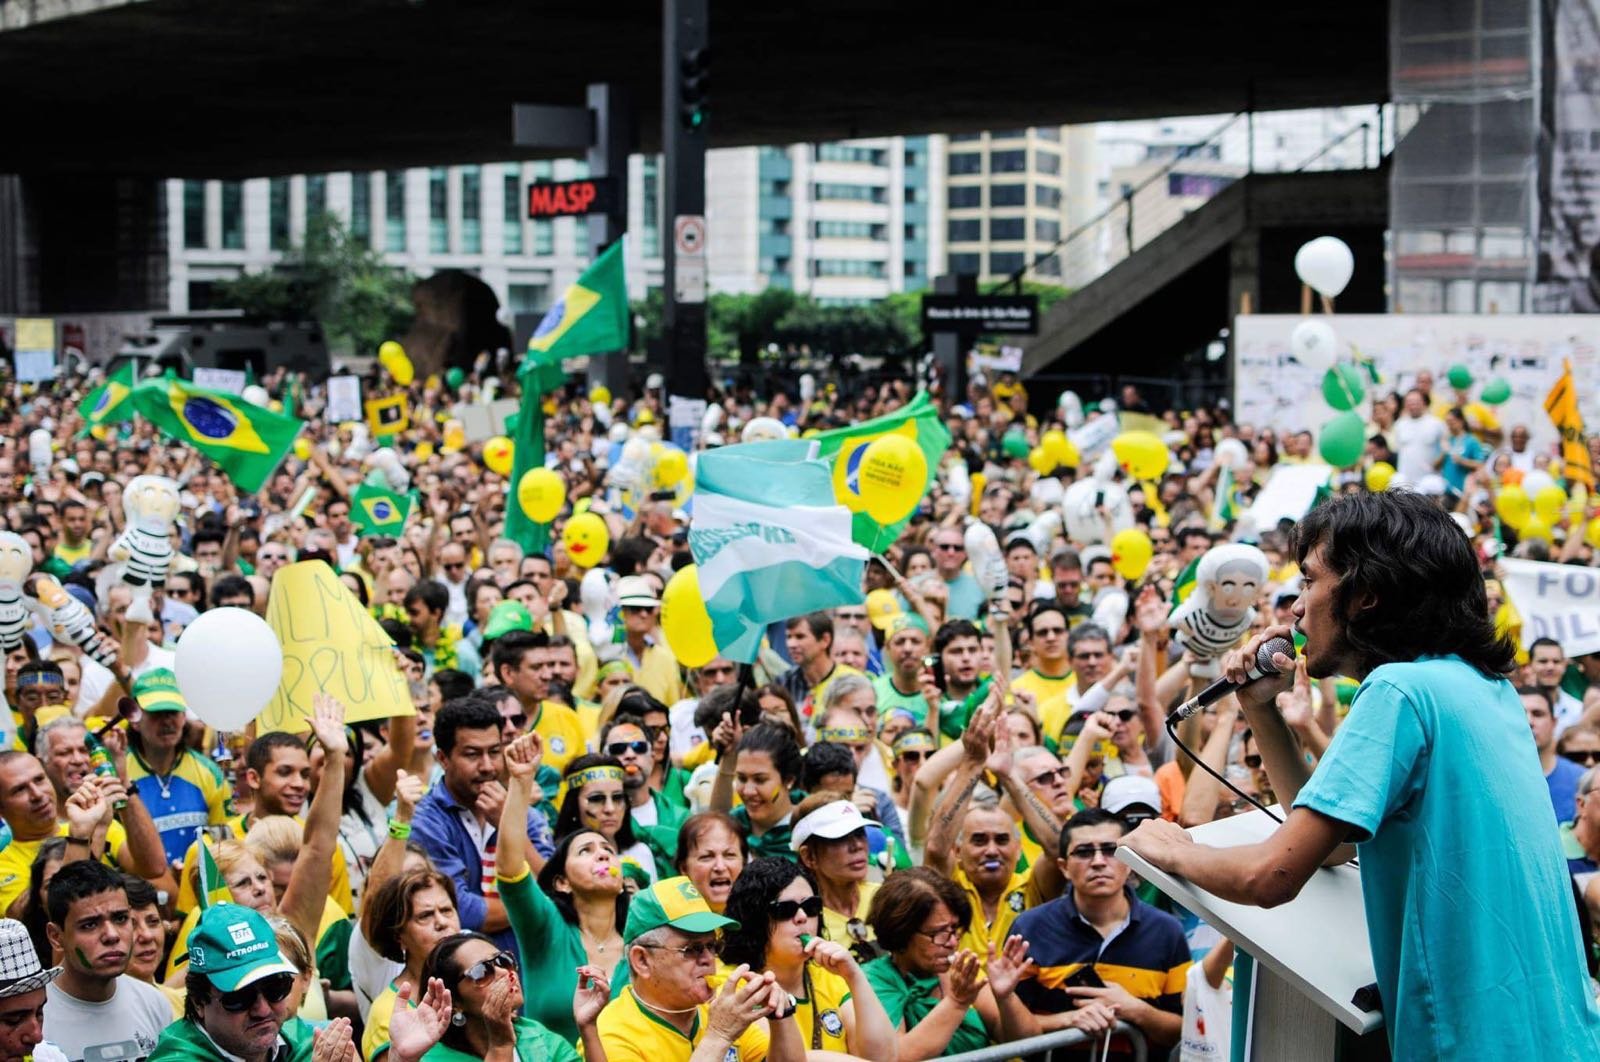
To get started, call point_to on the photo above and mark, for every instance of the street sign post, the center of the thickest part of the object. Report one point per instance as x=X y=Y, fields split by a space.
x=685 y=67
x=981 y=314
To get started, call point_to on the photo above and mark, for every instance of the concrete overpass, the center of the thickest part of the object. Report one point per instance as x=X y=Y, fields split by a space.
x=240 y=88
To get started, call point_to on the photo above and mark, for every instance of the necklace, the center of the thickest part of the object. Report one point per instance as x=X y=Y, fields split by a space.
x=660 y=1010
x=601 y=946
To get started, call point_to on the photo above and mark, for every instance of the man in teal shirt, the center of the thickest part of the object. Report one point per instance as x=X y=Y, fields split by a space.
x=1433 y=776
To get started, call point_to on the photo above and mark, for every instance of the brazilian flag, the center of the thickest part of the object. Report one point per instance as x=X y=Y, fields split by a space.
x=376 y=511
x=843 y=448
x=108 y=403
x=213 y=889
x=591 y=317
x=246 y=441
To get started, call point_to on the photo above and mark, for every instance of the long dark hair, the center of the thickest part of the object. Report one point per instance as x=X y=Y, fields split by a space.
x=1418 y=567
x=556 y=867
x=749 y=904
x=443 y=965
x=570 y=819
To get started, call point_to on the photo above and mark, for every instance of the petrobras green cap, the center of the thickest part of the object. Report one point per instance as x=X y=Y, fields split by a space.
x=235 y=946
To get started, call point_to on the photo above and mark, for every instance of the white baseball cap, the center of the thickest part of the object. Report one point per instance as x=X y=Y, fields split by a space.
x=1127 y=790
x=636 y=591
x=830 y=822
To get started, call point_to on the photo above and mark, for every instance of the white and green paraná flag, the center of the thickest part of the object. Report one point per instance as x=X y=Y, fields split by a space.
x=770 y=539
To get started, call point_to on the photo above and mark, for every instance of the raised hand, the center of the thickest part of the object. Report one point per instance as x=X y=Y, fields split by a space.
x=1000 y=759
x=965 y=979
x=523 y=756
x=327 y=722
x=87 y=808
x=334 y=1042
x=743 y=999
x=1150 y=611
x=1009 y=966
x=408 y=792
x=592 y=995
x=413 y=1030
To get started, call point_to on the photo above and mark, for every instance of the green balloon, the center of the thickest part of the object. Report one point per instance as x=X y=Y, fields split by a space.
x=1496 y=391
x=1342 y=440
x=1342 y=387
x=1460 y=377
x=454 y=377
x=1015 y=444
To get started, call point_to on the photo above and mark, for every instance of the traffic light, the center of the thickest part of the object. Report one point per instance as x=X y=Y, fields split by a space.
x=694 y=72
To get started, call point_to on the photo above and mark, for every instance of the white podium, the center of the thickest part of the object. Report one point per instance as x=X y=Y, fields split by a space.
x=1311 y=956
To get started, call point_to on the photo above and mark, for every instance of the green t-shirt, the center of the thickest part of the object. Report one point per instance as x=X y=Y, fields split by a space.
x=910 y=999
x=552 y=951
x=775 y=842
x=890 y=698
x=534 y=1041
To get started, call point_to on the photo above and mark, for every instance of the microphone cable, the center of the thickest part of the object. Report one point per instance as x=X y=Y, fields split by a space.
x=1172 y=732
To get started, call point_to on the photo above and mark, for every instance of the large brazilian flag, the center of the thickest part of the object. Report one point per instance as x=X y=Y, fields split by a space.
x=246 y=441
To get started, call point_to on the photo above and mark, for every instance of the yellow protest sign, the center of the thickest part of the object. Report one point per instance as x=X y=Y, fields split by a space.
x=329 y=643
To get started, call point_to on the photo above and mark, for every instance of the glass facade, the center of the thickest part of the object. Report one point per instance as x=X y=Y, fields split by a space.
x=438 y=210
x=194 y=213
x=472 y=210
x=511 y=240
x=278 y=213
x=394 y=210
x=361 y=206
x=233 y=215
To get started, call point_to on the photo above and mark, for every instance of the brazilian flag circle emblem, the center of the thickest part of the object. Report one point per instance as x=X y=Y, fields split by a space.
x=210 y=419
x=552 y=319
x=382 y=511
x=101 y=403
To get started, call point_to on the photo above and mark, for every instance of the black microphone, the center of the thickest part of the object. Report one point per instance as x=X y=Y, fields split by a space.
x=1222 y=687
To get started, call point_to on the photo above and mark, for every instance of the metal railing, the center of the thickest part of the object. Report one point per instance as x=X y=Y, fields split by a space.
x=1155 y=194
x=1042 y=1045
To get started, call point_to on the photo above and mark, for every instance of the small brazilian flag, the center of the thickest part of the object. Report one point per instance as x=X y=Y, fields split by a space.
x=1184 y=584
x=388 y=416
x=376 y=511
x=108 y=403
x=211 y=888
x=246 y=441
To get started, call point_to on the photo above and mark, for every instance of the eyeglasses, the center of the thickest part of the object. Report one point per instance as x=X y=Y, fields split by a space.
x=274 y=990
x=1049 y=632
x=855 y=617
x=949 y=932
x=456 y=567
x=519 y=720
x=950 y=547
x=1089 y=851
x=1049 y=777
x=1125 y=714
x=704 y=949
x=784 y=910
x=911 y=757
x=478 y=971
x=720 y=669
x=598 y=799
x=1254 y=762
x=638 y=748
x=1583 y=757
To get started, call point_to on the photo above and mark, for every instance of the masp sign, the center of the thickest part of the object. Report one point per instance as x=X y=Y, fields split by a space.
x=566 y=199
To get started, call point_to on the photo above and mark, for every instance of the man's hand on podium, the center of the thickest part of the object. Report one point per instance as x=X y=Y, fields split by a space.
x=1159 y=841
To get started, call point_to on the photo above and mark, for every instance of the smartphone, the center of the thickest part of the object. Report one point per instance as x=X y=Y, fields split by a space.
x=1084 y=977
x=934 y=663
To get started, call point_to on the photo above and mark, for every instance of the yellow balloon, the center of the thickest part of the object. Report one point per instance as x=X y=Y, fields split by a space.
x=600 y=395
x=1041 y=461
x=587 y=539
x=893 y=477
x=1591 y=533
x=541 y=494
x=685 y=621
x=1534 y=528
x=1131 y=551
x=1548 y=502
x=389 y=349
x=1054 y=443
x=670 y=469
x=302 y=448
x=1141 y=454
x=1379 y=475
x=392 y=356
x=424 y=450
x=497 y=455
x=1513 y=506
x=455 y=436
x=1069 y=456
x=979 y=480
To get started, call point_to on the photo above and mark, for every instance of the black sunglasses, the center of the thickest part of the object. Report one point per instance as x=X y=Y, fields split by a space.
x=638 y=748
x=1585 y=757
x=1089 y=851
x=1125 y=714
x=784 y=910
x=518 y=720
x=480 y=970
x=1252 y=762
x=274 y=990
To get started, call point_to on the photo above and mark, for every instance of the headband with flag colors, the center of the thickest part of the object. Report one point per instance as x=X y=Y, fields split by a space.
x=593 y=774
x=770 y=539
x=212 y=889
x=844 y=735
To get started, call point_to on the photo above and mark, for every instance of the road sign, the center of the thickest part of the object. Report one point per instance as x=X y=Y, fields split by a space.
x=689 y=279
x=566 y=199
x=980 y=314
x=689 y=235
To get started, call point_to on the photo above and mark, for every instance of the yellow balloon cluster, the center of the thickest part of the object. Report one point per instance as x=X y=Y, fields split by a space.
x=586 y=538
x=1131 y=550
x=392 y=356
x=685 y=621
x=1547 y=504
x=670 y=468
x=893 y=477
x=1141 y=454
x=497 y=455
x=1513 y=506
x=541 y=494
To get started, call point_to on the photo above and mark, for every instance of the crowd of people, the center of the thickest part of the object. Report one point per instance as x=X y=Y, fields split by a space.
x=892 y=837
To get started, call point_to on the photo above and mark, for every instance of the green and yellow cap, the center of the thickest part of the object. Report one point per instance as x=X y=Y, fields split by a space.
x=157 y=691
x=505 y=617
x=673 y=902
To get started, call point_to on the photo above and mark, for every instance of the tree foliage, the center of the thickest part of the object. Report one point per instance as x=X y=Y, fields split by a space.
x=334 y=278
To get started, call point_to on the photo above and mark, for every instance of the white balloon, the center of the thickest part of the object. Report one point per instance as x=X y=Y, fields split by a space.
x=1084 y=525
x=1314 y=344
x=763 y=429
x=255 y=394
x=1231 y=453
x=1326 y=264
x=39 y=449
x=1536 y=481
x=1071 y=407
x=229 y=665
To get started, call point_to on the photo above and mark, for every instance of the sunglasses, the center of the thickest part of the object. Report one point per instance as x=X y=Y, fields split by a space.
x=1125 y=714
x=705 y=949
x=1254 y=762
x=1089 y=851
x=784 y=910
x=638 y=609
x=949 y=547
x=274 y=990
x=478 y=971
x=638 y=748
x=1049 y=777
x=855 y=617
x=456 y=567
x=518 y=720
x=912 y=757
x=1584 y=757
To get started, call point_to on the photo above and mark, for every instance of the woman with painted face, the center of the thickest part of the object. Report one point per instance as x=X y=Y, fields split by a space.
x=762 y=766
x=597 y=800
x=779 y=915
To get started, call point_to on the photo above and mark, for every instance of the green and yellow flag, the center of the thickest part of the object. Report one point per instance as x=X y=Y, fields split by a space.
x=246 y=441
x=844 y=447
x=212 y=889
x=591 y=317
x=376 y=511
x=108 y=403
